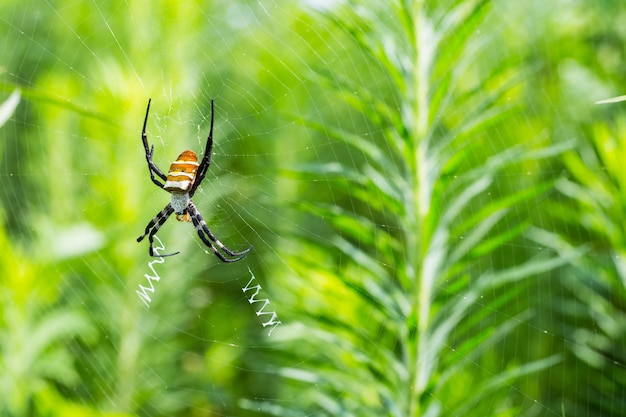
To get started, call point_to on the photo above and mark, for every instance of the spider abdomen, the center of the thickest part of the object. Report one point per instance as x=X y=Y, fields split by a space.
x=182 y=173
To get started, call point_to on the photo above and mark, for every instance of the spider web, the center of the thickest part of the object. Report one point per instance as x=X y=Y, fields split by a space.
x=115 y=332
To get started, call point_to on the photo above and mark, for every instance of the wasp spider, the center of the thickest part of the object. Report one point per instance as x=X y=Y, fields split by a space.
x=182 y=181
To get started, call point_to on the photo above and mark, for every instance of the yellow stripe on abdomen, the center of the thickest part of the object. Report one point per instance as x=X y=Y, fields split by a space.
x=182 y=172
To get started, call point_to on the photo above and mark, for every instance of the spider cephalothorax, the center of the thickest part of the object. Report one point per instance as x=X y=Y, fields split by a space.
x=182 y=181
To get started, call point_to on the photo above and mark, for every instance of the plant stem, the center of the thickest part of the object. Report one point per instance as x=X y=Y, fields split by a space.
x=422 y=191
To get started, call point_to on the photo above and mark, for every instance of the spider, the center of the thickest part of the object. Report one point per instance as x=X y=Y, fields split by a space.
x=182 y=181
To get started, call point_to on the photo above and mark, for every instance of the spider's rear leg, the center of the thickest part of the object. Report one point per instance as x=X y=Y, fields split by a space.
x=157 y=255
x=203 y=229
x=153 y=227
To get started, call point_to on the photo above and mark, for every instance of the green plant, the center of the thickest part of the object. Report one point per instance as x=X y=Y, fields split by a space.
x=416 y=280
x=591 y=213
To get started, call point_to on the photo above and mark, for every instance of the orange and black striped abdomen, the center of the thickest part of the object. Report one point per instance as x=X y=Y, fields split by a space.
x=182 y=173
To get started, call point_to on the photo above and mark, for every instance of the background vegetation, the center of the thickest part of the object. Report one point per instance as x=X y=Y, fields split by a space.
x=436 y=206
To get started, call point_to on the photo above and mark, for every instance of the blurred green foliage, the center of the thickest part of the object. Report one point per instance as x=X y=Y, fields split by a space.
x=436 y=206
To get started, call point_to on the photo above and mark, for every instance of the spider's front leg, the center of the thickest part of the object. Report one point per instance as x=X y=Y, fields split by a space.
x=149 y=150
x=206 y=159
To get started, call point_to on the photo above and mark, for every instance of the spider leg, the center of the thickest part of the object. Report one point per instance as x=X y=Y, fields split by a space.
x=153 y=227
x=202 y=229
x=206 y=158
x=149 y=151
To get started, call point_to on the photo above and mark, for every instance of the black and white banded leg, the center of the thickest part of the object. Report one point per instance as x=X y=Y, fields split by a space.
x=204 y=232
x=153 y=227
x=149 y=152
